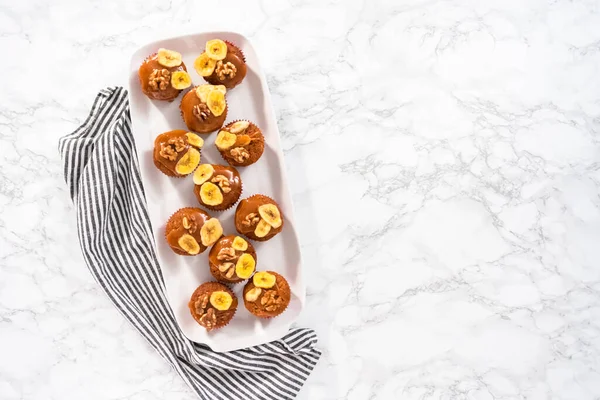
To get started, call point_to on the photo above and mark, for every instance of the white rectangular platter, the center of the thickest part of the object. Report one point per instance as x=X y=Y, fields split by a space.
x=250 y=100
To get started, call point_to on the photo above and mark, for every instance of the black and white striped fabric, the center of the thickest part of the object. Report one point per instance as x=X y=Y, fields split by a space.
x=102 y=172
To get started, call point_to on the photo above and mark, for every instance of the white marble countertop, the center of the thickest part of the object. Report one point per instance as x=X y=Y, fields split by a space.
x=444 y=162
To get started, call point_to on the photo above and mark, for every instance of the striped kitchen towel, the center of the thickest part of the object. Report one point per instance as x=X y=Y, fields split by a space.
x=102 y=172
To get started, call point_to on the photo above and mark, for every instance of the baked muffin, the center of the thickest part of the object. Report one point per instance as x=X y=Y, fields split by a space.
x=267 y=294
x=163 y=75
x=217 y=187
x=258 y=217
x=232 y=259
x=177 y=153
x=213 y=305
x=221 y=63
x=240 y=143
x=190 y=231
x=204 y=108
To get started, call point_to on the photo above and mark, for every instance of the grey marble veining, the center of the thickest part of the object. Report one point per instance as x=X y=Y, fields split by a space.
x=444 y=162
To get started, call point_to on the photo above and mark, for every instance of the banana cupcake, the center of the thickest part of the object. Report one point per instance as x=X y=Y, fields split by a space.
x=217 y=187
x=267 y=294
x=204 y=108
x=258 y=217
x=213 y=305
x=190 y=231
x=232 y=259
x=163 y=75
x=177 y=153
x=240 y=143
x=222 y=63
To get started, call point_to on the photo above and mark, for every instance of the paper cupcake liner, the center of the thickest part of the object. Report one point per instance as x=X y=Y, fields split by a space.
x=221 y=152
x=237 y=48
x=220 y=286
x=268 y=316
x=147 y=59
x=203 y=133
x=211 y=208
x=177 y=251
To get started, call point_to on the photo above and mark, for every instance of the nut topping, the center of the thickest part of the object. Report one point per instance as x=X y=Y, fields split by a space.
x=227 y=254
x=225 y=266
x=251 y=219
x=228 y=269
x=271 y=300
x=167 y=151
x=208 y=318
x=189 y=224
x=225 y=70
x=201 y=111
x=193 y=225
x=264 y=300
x=239 y=154
x=223 y=183
x=178 y=143
x=159 y=79
x=201 y=304
x=170 y=149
